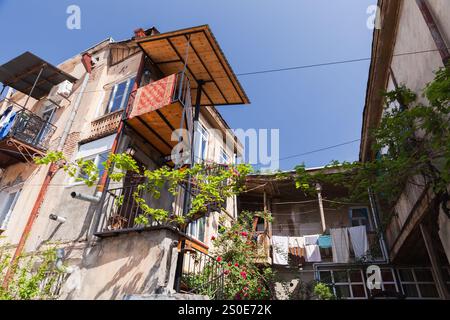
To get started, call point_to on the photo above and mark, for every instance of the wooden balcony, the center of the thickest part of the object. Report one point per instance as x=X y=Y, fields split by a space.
x=104 y=126
x=158 y=111
x=27 y=136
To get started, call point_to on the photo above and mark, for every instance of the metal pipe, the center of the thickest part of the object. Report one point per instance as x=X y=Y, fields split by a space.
x=85 y=197
x=322 y=212
x=34 y=84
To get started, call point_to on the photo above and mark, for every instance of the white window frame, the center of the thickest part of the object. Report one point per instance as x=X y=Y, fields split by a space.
x=417 y=283
x=201 y=134
x=92 y=151
x=125 y=95
x=222 y=159
x=194 y=229
x=17 y=190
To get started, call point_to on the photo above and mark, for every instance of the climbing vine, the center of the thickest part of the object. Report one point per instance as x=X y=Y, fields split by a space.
x=210 y=184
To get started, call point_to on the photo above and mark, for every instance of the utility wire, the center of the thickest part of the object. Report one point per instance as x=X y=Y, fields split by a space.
x=319 y=150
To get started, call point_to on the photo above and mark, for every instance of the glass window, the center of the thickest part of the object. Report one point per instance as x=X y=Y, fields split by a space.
x=99 y=161
x=120 y=95
x=224 y=158
x=201 y=144
x=8 y=201
x=196 y=229
x=360 y=217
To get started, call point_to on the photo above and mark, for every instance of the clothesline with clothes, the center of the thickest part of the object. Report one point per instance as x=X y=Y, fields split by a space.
x=308 y=248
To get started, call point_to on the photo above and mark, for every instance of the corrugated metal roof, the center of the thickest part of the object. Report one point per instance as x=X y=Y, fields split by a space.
x=21 y=72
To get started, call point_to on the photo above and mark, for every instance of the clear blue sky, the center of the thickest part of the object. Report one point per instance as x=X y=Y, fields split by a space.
x=313 y=108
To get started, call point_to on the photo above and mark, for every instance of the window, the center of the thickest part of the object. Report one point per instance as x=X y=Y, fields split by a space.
x=196 y=229
x=201 y=143
x=96 y=151
x=351 y=284
x=418 y=283
x=223 y=157
x=8 y=200
x=360 y=217
x=98 y=160
x=120 y=95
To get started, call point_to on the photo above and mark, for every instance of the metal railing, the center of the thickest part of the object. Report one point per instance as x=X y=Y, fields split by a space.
x=200 y=274
x=32 y=129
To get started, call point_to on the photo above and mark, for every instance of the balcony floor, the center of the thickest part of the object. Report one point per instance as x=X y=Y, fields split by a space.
x=13 y=151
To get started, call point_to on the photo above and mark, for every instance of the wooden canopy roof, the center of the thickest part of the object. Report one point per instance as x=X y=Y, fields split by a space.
x=206 y=62
x=21 y=72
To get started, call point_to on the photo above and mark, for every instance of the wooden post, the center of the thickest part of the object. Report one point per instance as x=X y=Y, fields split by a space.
x=437 y=272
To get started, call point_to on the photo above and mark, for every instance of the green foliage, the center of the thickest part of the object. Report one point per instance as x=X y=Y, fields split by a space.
x=32 y=277
x=238 y=253
x=323 y=292
x=212 y=184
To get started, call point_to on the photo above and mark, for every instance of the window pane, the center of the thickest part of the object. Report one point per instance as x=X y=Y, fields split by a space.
x=428 y=291
x=325 y=276
x=130 y=88
x=386 y=275
x=102 y=157
x=355 y=276
x=390 y=288
x=423 y=275
x=343 y=291
x=405 y=275
x=358 y=291
x=410 y=290
x=116 y=103
x=340 y=276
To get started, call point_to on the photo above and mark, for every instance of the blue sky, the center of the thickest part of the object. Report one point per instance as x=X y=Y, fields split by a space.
x=313 y=108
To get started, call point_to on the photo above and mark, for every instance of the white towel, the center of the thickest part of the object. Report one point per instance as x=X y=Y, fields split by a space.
x=313 y=253
x=340 y=245
x=312 y=239
x=280 y=250
x=296 y=242
x=360 y=244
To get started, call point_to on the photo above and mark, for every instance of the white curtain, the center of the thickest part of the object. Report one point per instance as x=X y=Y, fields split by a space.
x=360 y=244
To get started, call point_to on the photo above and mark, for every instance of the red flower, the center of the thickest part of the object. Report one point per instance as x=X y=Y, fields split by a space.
x=213 y=238
x=246 y=294
x=244 y=274
x=219 y=259
x=237 y=296
x=226 y=272
x=245 y=289
x=236 y=264
x=244 y=234
x=229 y=264
x=259 y=289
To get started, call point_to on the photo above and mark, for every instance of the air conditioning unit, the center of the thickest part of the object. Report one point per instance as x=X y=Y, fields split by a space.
x=61 y=91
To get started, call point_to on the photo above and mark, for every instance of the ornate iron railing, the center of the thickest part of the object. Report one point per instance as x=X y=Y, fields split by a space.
x=32 y=130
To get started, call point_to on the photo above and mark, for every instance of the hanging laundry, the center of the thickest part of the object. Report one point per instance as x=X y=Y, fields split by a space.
x=296 y=242
x=313 y=253
x=280 y=250
x=340 y=245
x=324 y=241
x=5 y=117
x=311 y=239
x=7 y=124
x=360 y=244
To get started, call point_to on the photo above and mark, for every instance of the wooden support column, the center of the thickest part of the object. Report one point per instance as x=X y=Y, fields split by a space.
x=435 y=267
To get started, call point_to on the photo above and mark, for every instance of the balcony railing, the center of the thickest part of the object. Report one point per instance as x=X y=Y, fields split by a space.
x=32 y=130
x=119 y=211
x=200 y=274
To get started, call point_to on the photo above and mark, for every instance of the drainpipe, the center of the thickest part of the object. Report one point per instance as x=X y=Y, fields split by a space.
x=50 y=174
x=322 y=212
